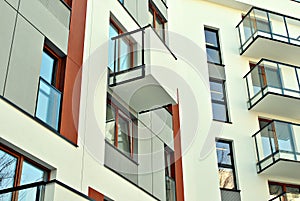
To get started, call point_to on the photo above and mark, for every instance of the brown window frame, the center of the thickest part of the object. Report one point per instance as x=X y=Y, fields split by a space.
x=126 y=116
x=157 y=15
x=283 y=185
x=59 y=68
x=19 y=165
x=130 y=44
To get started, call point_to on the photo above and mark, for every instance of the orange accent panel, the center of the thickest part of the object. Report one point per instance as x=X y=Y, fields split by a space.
x=72 y=84
x=95 y=195
x=71 y=102
x=178 y=156
x=77 y=30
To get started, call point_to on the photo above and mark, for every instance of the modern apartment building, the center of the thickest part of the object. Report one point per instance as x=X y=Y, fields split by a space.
x=172 y=100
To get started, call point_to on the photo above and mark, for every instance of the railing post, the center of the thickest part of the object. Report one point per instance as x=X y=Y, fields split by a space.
x=38 y=193
x=115 y=62
x=143 y=52
x=257 y=153
x=260 y=78
x=287 y=30
x=280 y=78
x=269 y=24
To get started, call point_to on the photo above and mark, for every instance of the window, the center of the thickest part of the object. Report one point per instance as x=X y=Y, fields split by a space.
x=218 y=99
x=292 y=192
x=121 y=50
x=158 y=22
x=50 y=88
x=170 y=174
x=16 y=170
x=227 y=177
x=213 y=50
x=120 y=128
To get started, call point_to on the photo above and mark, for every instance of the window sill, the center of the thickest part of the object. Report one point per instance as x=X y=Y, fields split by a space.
x=212 y=63
x=227 y=122
x=228 y=189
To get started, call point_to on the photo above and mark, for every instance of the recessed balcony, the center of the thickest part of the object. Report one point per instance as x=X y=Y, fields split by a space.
x=274 y=87
x=267 y=34
x=277 y=149
x=137 y=62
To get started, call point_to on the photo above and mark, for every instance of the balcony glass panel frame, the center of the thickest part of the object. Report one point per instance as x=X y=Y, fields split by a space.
x=267 y=24
x=277 y=140
x=273 y=77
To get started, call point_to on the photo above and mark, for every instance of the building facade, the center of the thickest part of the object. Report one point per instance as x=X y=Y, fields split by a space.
x=135 y=100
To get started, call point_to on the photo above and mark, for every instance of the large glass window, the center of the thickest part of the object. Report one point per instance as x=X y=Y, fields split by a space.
x=219 y=100
x=158 y=22
x=121 y=51
x=120 y=128
x=213 y=50
x=227 y=177
x=50 y=88
x=16 y=170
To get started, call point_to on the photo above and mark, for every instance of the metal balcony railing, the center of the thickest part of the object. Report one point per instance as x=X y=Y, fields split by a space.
x=277 y=140
x=286 y=197
x=53 y=190
x=131 y=51
x=272 y=77
x=267 y=24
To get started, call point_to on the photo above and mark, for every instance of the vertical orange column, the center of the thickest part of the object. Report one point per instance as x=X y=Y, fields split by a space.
x=178 y=156
x=72 y=84
x=95 y=195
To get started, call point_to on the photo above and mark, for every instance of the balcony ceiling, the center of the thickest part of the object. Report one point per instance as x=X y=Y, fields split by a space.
x=236 y=4
x=279 y=105
x=274 y=50
x=143 y=94
x=284 y=168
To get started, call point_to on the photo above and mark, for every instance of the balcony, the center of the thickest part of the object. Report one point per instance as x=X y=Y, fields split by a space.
x=139 y=156
x=274 y=88
x=137 y=69
x=43 y=191
x=266 y=34
x=277 y=148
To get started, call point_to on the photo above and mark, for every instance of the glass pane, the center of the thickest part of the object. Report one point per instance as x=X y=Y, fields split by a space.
x=159 y=27
x=124 y=135
x=170 y=189
x=125 y=54
x=211 y=38
x=223 y=153
x=8 y=164
x=110 y=124
x=216 y=90
x=213 y=56
x=48 y=105
x=284 y=136
x=275 y=190
x=30 y=174
x=272 y=76
x=113 y=31
x=248 y=28
x=267 y=140
x=219 y=112
x=47 y=66
x=226 y=178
